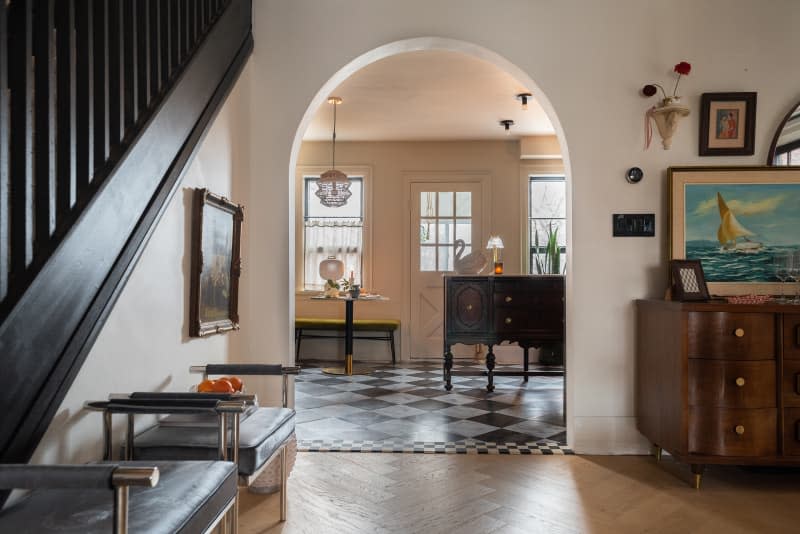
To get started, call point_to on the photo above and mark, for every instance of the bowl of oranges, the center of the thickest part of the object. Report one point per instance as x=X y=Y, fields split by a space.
x=226 y=384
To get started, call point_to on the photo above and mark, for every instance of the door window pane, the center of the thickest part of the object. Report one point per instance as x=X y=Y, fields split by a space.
x=463 y=204
x=427 y=259
x=464 y=230
x=446 y=232
x=445 y=258
x=427 y=204
x=445 y=204
x=427 y=231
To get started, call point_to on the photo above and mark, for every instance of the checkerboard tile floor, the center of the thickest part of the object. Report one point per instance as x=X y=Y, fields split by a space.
x=407 y=409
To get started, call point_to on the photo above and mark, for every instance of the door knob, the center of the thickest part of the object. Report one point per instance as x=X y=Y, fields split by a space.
x=508 y=320
x=740 y=381
x=739 y=332
x=508 y=299
x=469 y=307
x=739 y=429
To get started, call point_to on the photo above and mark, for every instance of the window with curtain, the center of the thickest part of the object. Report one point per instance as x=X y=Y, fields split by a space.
x=337 y=232
x=547 y=212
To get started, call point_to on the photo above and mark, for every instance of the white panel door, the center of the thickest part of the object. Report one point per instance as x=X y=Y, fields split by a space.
x=441 y=212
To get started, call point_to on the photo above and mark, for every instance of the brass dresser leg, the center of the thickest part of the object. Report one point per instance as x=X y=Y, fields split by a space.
x=697 y=471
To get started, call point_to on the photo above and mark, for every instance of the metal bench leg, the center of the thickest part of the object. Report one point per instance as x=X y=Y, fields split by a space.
x=391 y=343
x=284 y=476
x=298 y=335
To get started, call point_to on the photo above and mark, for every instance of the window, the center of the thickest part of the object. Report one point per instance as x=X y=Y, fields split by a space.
x=547 y=213
x=337 y=232
x=444 y=217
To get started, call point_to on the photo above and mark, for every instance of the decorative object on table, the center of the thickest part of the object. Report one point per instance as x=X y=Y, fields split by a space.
x=785 y=147
x=668 y=112
x=216 y=264
x=727 y=124
x=551 y=262
x=331 y=270
x=334 y=186
x=472 y=263
x=496 y=244
x=634 y=175
x=688 y=281
x=748 y=299
x=735 y=219
x=355 y=291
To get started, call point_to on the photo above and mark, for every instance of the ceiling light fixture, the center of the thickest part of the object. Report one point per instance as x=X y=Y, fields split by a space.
x=507 y=124
x=524 y=97
x=333 y=186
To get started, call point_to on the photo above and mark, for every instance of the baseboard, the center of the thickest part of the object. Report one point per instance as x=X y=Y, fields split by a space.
x=606 y=435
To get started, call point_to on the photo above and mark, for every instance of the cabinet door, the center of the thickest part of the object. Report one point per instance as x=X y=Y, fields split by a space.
x=791 y=336
x=467 y=307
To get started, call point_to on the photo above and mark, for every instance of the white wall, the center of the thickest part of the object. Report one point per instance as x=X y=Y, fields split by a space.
x=145 y=344
x=589 y=58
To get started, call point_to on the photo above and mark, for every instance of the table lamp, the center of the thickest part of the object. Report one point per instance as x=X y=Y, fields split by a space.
x=331 y=270
x=495 y=243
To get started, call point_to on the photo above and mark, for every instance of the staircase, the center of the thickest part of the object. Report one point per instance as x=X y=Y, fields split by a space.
x=102 y=104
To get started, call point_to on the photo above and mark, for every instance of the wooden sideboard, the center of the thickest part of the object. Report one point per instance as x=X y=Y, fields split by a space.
x=488 y=310
x=719 y=383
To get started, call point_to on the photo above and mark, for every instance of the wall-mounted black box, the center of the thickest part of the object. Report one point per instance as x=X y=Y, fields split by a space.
x=634 y=224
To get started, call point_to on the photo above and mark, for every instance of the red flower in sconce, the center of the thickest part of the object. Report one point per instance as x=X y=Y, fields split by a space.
x=683 y=69
x=669 y=111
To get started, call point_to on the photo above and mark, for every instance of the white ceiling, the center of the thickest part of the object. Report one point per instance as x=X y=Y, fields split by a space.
x=425 y=96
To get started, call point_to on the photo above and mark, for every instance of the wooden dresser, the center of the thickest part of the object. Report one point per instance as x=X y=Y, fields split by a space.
x=488 y=310
x=719 y=383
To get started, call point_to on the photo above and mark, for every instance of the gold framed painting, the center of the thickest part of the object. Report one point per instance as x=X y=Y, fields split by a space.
x=736 y=221
x=216 y=264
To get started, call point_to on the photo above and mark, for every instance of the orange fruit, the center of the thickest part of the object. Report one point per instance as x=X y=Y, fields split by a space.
x=222 y=386
x=205 y=386
x=235 y=381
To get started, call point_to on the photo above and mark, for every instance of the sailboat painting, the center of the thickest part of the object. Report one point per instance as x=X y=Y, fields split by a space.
x=736 y=229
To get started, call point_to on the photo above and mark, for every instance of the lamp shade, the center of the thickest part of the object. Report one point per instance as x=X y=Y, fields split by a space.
x=331 y=269
x=494 y=242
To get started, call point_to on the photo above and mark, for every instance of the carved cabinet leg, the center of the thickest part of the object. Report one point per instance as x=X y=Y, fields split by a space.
x=697 y=471
x=525 y=363
x=490 y=367
x=448 y=365
x=657 y=452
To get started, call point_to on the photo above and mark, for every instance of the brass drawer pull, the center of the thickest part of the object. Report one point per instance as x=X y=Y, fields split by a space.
x=739 y=429
x=740 y=381
x=508 y=299
x=508 y=320
x=739 y=332
x=469 y=307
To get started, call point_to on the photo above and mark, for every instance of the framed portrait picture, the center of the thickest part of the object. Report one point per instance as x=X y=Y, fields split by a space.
x=688 y=280
x=216 y=264
x=727 y=124
x=737 y=221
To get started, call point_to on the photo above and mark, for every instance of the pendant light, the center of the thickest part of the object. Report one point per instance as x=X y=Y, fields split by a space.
x=333 y=186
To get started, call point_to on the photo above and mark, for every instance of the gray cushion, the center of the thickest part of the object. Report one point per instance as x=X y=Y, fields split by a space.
x=187 y=499
x=260 y=435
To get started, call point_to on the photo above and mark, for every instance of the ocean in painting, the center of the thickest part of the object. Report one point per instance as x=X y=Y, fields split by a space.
x=763 y=217
x=726 y=266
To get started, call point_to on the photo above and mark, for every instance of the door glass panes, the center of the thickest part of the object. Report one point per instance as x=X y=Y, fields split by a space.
x=444 y=217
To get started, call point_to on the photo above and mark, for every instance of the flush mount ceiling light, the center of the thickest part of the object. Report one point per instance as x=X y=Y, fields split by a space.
x=524 y=97
x=507 y=124
x=333 y=186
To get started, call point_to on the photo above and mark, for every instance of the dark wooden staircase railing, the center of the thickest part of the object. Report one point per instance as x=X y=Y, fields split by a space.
x=102 y=103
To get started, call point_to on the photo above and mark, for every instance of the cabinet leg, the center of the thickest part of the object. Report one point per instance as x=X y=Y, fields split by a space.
x=697 y=471
x=525 y=364
x=657 y=452
x=448 y=365
x=490 y=367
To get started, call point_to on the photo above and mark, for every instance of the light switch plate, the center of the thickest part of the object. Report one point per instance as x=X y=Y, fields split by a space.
x=634 y=224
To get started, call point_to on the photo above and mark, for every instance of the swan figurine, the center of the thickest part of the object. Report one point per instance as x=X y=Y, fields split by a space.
x=472 y=263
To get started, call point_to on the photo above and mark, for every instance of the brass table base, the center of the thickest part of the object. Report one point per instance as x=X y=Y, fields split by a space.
x=348 y=369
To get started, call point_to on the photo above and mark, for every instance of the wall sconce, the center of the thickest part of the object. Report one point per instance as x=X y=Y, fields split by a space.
x=524 y=97
x=667 y=116
x=507 y=124
x=495 y=244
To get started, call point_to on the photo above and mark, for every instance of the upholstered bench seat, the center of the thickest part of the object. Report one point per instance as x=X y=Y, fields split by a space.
x=261 y=434
x=190 y=497
x=359 y=325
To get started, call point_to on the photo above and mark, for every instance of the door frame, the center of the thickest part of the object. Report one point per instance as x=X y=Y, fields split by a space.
x=484 y=180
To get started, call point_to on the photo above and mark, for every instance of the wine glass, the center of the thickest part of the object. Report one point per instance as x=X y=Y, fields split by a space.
x=781 y=263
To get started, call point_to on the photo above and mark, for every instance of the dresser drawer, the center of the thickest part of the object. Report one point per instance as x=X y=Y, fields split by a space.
x=791 y=431
x=791 y=336
x=542 y=299
x=731 y=336
x=732 y=384
x=791 y=383
x=549 y=322
x=732 y=432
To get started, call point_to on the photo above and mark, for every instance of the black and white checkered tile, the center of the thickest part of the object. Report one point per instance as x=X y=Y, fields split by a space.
x=407 y=409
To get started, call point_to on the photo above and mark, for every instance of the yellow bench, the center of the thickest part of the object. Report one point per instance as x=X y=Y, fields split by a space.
x=388 y=326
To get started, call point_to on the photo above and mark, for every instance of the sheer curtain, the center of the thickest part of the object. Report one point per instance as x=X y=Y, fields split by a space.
x=340 y=238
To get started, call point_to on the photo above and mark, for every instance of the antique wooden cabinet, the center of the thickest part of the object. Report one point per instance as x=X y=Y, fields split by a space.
x=719 y=383
x=491 y=309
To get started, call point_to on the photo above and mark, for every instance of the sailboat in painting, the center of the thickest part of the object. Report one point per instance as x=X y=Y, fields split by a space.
x=730 y=229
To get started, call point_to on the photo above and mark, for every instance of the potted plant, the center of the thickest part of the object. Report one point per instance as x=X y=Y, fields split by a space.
x=550 y=263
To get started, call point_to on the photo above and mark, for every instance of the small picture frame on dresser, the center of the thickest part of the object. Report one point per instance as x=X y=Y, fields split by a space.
x=688 y=280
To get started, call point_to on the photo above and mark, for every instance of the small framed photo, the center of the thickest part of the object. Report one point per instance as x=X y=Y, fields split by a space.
x=728 y=124
x=216 y=264
x=688 y=281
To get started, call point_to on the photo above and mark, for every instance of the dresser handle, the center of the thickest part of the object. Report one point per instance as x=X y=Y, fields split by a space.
x=797 y=383
x=739 y=429
x=508 y=320
x=469 y=307
x=739 y=332
x=508 y=299
x=797 y=335
x=740 y=381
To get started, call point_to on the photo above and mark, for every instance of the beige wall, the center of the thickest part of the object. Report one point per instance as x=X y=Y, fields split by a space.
x=145 y=344
x=393 y=165
x=586 y=60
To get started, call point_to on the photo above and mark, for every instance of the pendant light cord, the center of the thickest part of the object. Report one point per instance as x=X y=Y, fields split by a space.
x=333 y=155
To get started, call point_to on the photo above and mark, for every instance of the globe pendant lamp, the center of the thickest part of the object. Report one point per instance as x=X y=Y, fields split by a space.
x=333 y=186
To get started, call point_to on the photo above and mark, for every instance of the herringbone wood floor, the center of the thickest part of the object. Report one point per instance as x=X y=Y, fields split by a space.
x=346 y=493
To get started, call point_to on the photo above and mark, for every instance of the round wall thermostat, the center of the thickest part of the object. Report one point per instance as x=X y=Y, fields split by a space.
x=634 y=175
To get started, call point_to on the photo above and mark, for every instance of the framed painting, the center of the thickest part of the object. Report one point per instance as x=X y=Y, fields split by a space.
x=736 y=221
x=216 y=264
x=727 y=124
